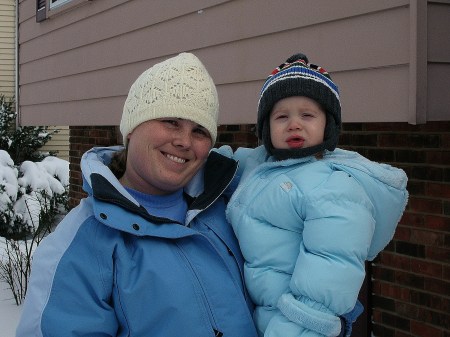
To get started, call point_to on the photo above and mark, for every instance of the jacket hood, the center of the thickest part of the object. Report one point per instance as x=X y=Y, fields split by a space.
x=96 y=161
x=386 y=188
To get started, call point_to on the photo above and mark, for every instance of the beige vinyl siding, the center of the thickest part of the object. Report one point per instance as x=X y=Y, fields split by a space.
x=7 y=47
x=59 y=142
x=73 y=73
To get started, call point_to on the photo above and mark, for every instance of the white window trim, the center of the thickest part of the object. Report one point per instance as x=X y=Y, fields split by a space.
x=58 y=3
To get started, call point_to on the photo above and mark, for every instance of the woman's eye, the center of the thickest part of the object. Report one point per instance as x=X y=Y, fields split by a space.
x=171 y=122
x=201 y=132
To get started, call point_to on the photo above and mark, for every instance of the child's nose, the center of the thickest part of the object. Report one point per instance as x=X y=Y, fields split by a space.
x=295 y=124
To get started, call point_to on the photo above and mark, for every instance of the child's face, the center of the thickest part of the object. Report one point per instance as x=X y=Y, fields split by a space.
x=297 y=122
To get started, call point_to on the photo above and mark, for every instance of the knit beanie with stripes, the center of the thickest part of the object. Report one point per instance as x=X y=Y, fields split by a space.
x=298 y=77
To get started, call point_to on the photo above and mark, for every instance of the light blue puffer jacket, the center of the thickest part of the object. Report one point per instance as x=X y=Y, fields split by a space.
x=306 y=228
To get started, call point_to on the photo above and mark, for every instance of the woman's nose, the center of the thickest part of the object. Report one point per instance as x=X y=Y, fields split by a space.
x=182 y=139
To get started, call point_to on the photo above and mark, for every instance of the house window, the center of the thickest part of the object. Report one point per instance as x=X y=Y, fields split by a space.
x=47 y=8
x=57 y=3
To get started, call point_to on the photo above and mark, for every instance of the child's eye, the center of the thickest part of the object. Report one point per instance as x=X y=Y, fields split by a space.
x=280 y=116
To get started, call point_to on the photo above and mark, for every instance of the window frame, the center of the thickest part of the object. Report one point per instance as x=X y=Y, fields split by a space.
x=53 y=4
x=46 y=9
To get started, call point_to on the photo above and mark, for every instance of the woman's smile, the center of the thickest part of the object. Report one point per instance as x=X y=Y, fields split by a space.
x=175 y=158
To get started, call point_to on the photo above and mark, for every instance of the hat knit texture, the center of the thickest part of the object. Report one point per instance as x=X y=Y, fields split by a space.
x=179 y=87
x=298 y=77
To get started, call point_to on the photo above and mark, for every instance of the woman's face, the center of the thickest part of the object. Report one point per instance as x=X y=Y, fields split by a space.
x=164 y=154
x=297 y=122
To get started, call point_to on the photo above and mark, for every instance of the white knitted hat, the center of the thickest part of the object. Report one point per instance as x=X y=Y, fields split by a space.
x=178 y=87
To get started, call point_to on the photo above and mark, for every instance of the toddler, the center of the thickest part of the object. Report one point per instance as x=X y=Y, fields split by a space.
x=308 y=215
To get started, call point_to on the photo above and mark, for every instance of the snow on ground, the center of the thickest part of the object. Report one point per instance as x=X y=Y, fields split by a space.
x=9 y=312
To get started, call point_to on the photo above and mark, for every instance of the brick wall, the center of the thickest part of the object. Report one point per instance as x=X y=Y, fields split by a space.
x=237 y=136
x=411 y=277
x=83 y=138
x=411 y=288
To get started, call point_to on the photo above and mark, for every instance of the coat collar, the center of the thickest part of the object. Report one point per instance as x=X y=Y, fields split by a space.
x=209 y=184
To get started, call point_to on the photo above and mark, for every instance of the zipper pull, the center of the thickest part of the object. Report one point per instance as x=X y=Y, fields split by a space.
x=217 y=333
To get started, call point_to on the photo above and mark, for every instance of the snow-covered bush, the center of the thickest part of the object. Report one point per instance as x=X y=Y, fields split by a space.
x=29 y=190
x=32 y=196
x=33 y=193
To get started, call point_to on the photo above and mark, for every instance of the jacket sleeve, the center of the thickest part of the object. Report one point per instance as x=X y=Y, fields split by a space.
x=330 y=268
x=67 y=294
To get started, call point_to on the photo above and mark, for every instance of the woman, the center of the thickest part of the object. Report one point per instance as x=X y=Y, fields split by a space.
x=148 y=252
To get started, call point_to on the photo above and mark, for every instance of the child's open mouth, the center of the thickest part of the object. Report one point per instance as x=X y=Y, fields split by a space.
x=295 y=142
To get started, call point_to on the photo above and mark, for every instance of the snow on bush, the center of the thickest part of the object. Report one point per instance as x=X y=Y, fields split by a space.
x=27 y=187
x=32 y=195
x=9 y=185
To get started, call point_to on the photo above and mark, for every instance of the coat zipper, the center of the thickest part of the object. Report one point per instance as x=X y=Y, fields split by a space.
x=205 y=301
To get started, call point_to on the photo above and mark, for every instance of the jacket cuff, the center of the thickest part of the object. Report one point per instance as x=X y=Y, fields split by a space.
x=309 y=318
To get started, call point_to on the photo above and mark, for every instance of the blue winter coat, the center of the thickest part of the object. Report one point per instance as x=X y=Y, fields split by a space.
x=306 y=227
x=112 y=269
